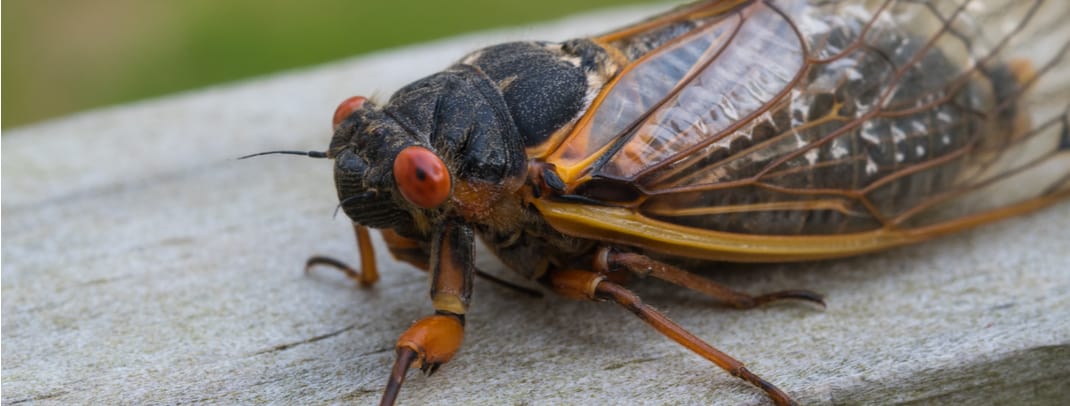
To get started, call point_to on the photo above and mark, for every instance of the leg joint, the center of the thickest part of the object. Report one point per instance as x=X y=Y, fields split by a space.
x=575 y=284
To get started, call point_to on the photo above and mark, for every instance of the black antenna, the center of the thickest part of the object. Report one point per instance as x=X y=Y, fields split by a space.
x=310 y=154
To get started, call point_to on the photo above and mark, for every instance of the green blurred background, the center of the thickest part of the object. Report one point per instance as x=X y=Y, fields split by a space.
x=63 y=56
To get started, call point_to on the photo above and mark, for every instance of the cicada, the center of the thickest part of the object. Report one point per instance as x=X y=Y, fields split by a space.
x=753 y=131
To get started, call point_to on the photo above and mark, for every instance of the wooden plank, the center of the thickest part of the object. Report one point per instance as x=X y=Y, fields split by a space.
x=142 y=264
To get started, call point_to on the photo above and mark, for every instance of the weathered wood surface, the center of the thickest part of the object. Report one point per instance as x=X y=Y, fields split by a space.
x=143 y=264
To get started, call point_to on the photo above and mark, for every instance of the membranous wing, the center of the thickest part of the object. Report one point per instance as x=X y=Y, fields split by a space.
x=786 y=130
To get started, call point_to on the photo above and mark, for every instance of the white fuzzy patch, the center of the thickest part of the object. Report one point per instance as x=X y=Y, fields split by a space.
x=871 y=167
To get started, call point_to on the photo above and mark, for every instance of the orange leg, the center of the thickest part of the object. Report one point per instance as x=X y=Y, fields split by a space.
x=413 y=252
x=433 y=340
x=587 y=285
x=368 y=273
x=416 y=254
x=645 y=266
x=428 y=344
x=408 y=250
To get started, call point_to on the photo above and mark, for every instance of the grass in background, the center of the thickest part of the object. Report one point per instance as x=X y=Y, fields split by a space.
x=65 y=56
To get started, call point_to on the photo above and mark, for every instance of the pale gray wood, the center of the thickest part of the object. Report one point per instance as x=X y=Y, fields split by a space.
x=142 y=264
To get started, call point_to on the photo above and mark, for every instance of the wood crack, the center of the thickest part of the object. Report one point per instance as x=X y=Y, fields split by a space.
x=286 y=346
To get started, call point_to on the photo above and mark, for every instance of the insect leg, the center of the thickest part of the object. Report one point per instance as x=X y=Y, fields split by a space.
x=587 y=285
x=413 y=252
x=643 y=265
x=433 y=340
x=368 y=273
x=416 y=252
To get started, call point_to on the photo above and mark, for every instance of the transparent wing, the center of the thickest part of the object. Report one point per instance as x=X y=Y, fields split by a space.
x=802 y=118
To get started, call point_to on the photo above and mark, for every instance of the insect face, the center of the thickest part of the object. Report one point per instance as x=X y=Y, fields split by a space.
x=366 y=189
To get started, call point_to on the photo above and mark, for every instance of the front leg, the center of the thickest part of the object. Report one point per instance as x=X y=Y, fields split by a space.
x=433 y=340
x=411 y=251
x=368 y=273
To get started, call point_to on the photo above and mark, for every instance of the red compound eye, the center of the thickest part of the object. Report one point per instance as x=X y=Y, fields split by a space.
x=422 y=177
x=347 y=107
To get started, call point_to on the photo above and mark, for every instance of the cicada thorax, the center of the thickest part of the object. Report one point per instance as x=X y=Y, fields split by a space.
x=798 y=118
